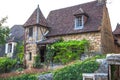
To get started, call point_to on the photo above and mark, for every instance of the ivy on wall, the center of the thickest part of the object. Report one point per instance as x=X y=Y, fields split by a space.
x=66 y=51
x=20 y=52
x=37 y=62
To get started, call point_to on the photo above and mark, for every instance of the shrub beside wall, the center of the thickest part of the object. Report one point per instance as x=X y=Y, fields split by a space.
x=22 y=77
x=74 y=71
x=6 y=64
x=37 y=62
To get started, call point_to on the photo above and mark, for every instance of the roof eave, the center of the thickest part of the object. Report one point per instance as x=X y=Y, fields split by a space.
x=71 y=33
x=25 y=26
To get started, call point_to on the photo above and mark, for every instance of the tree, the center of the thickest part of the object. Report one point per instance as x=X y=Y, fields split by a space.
x=4 y=31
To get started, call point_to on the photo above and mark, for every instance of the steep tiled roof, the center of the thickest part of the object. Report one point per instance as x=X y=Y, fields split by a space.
x=79 y=12
x=16 y=33
x=36 y=18
x=117 y=30
x=61 y=21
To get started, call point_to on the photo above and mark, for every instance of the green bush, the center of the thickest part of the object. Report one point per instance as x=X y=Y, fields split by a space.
x=22 y=77
x=20 y=52
x=74 y=71
x=20 y=69
x=37 y=62
x=6 y=64
x=67 y=51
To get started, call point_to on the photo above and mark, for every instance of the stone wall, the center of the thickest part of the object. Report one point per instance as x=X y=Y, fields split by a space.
x=117 y=43
x=30 y=43
x=101 y=77
x=95 y=76
x=107 y=39
x=93 y=37
x=30 y=48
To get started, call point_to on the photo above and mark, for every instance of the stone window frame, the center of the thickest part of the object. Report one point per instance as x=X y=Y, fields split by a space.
x=30 y=56
x=79 y=22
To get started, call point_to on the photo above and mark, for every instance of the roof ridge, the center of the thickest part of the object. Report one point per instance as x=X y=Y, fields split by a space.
x=74 y=5
x=38 y=14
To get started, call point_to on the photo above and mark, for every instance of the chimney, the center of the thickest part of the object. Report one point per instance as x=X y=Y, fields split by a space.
x=101 y=2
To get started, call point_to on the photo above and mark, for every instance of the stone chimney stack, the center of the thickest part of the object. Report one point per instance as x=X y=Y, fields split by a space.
x=100 y=2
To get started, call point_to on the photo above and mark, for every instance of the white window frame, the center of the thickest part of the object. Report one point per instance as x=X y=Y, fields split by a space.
x=7 y=47
x=77 y=23
x=10 y=48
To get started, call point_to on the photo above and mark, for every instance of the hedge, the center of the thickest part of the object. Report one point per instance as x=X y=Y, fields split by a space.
x=74 y=71
x=6 y=64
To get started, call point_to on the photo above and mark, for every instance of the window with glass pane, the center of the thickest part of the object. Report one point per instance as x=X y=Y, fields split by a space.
x=79 y=22
x=31 y=32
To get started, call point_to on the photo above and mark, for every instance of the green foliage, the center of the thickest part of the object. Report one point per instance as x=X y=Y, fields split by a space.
x=6 y=64
x=20 y=51
x=113 y=68
x=20 y=47
x=4 y=31
x=66 y=51
x=22 y=77
x=20 y=69
x=74 y=71
x=49 y=54
x=37 y=63
x=20 y=57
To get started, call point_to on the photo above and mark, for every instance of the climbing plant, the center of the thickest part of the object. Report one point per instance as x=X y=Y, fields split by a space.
x=37 y=62
x=20 y=52
x=66 y=51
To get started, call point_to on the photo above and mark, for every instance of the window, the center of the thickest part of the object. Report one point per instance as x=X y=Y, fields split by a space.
x=9 y=48
x=31 y=32
x=79 y=22
x=30 y=56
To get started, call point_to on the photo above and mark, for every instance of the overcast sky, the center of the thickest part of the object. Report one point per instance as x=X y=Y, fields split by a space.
x=18 y=11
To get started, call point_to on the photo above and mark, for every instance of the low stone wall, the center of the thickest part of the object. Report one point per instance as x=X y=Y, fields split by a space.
x=48 y=76
x=103 y=66
x=101 y=76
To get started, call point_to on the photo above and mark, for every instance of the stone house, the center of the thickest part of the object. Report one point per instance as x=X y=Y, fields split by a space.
x=116 y=34
x=84 y=21
x=16 y=35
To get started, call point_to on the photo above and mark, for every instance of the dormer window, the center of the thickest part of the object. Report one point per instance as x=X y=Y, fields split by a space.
x=31 y=32
x=79 y=22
